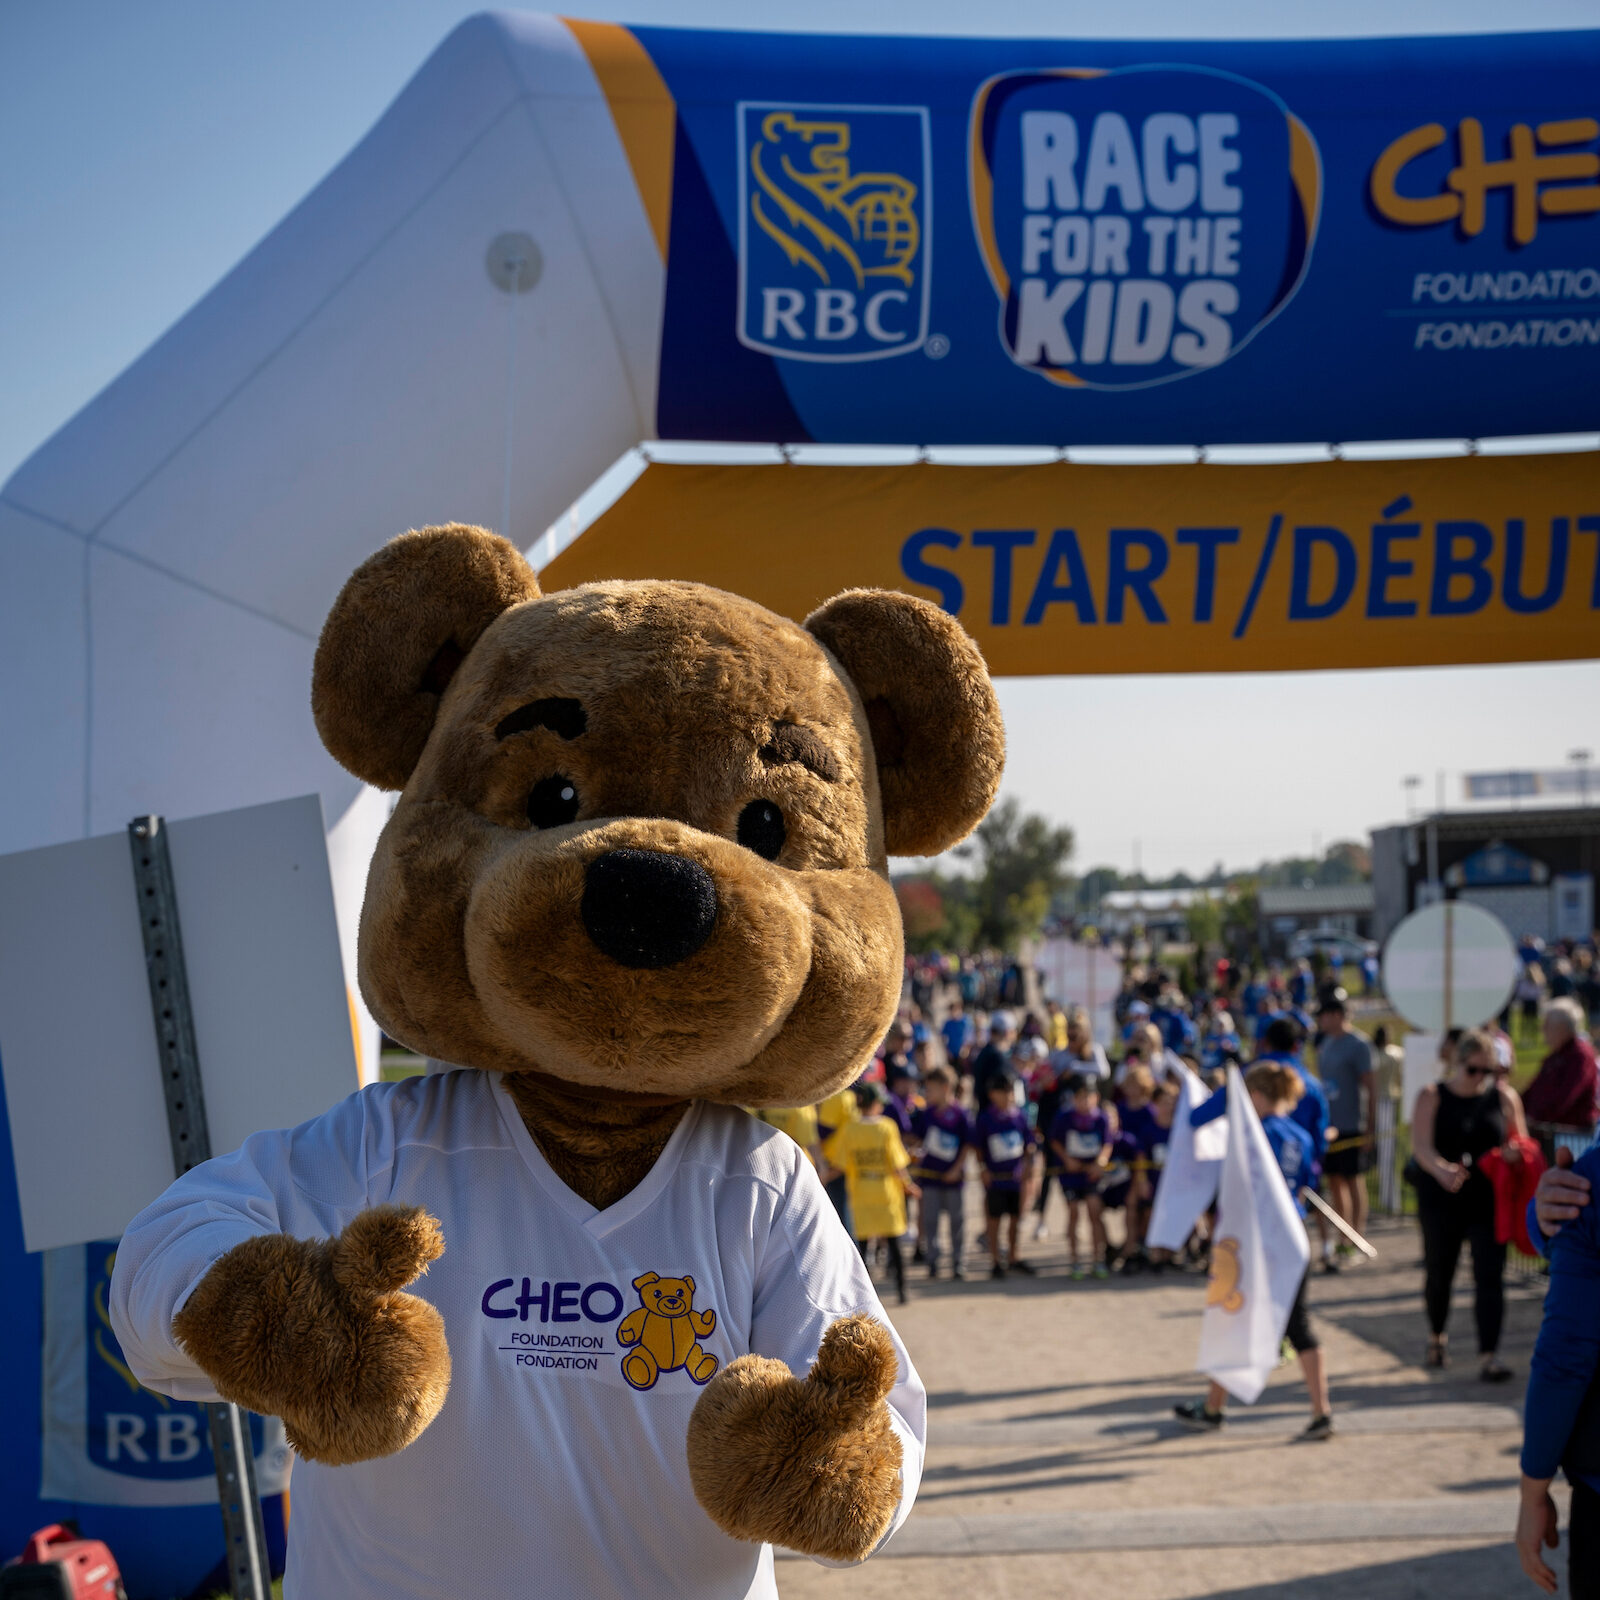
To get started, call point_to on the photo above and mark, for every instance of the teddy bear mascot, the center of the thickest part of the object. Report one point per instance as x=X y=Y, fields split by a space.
x=566 y=1320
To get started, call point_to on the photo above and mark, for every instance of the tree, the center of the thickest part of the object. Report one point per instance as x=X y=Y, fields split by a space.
x=1203 y=918
x=1241 y=922
x=1024 y=865
x=921 y=912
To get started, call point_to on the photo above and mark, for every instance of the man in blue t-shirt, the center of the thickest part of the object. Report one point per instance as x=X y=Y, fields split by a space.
x=1562 y=1409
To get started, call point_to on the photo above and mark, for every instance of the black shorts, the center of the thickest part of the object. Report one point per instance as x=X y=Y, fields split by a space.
x=1002 y=1202
x=1298 y=1332
x=1350 y=1162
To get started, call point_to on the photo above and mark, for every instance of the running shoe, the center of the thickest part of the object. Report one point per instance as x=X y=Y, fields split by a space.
x=1079 y=1273
x=1041 y=1229
x=1318 y=1429
x=997 y=1271
x=1193 y=1414
x=1026 y=1268
x=1101 y=1270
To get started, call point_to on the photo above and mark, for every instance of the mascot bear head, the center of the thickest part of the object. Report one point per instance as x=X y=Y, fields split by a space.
x=643 y=835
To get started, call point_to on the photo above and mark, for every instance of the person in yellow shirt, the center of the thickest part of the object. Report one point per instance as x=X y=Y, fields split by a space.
x=833 y=1114
x=800 y=1123
x=871 y=1157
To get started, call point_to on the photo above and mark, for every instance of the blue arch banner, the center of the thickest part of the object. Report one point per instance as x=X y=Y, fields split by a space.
x=926 y=241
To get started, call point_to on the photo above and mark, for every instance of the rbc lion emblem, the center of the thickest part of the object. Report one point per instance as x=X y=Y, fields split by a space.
x=833 y=231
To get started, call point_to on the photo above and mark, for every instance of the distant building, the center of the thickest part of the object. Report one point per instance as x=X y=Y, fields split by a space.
x=1331 y=911
x=1534 y=869
x=1157 y=911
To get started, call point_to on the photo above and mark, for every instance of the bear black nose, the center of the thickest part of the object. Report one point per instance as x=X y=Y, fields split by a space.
x=644 y=908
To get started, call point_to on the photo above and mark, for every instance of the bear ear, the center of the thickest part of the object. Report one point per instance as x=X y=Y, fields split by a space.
x=688 y=1283
x=936 y=727
x=401 y=626
x=645 y=1279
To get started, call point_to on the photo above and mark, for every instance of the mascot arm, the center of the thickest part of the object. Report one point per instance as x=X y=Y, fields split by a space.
x=815 y=1464
x=266 y=1278
x=814 y=1441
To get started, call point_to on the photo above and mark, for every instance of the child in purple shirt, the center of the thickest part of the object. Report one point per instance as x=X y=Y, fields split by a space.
x=1003 y=1139
x=1082 y=1140
x=941 y=1132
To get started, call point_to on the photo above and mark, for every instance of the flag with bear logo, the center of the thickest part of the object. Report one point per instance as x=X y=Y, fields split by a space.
x=1189 y=1176
x=1258 y=1257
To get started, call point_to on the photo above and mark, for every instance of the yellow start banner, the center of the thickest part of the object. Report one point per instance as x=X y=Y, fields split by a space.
x=1063 y=568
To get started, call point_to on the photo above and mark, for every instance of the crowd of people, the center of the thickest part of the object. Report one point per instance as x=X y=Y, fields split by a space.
x=978 y=1074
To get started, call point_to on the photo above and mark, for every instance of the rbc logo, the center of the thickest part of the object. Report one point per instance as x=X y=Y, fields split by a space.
x=1138 y=225
x=834 y=224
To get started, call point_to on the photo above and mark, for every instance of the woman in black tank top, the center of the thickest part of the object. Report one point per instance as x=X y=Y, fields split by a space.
x=1455 y=1124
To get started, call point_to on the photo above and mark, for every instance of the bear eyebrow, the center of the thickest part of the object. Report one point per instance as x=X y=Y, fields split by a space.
x=565 y=717
x=790 y=742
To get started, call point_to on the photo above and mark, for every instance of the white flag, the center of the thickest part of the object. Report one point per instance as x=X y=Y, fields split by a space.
x=1189 y=1178
x=1258 y=1258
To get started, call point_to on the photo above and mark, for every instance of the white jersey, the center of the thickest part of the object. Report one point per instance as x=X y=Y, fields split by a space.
x=547 y=1471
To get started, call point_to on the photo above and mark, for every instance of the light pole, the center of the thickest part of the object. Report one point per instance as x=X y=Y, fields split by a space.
x=1411 y=785
x=1581 y=759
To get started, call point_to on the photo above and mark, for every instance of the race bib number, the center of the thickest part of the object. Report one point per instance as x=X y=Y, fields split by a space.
x=1158 y=1156
x=941 y=1144
x=1005 y=1147
x=1082 y=1146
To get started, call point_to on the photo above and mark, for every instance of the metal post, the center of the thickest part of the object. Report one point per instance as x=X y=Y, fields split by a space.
x=170 y=1006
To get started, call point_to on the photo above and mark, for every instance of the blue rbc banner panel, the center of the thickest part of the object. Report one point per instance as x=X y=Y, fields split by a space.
x=980 y=241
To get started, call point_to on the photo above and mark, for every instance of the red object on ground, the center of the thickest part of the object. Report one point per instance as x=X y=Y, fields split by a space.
x=56 y=1564
x=1514 y=1183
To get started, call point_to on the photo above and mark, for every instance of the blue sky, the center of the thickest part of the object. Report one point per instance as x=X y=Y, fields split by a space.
x=149 y=146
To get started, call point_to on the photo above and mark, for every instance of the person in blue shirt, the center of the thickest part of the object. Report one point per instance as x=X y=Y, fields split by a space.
x=1281 y=1043
x=956 y=1030
x=1177 y=1030
x=1301 y=984
x=1220 y=1044
x=1562 y=1410
x=1276 y=1090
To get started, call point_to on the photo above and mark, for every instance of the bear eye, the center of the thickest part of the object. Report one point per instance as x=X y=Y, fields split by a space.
x=761 y=829
x=552 y=802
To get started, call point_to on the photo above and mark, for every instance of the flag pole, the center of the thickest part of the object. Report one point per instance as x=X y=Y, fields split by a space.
x=1339 y=1222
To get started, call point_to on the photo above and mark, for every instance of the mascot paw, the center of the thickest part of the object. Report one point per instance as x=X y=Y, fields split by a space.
x=813 y=1465
x=319 y=1333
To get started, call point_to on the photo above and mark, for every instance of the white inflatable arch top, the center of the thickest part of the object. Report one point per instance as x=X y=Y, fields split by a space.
x=169 y=555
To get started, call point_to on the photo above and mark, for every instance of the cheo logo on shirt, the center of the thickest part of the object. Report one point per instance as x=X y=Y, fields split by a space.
x=661 y=1335
x=1138 y=225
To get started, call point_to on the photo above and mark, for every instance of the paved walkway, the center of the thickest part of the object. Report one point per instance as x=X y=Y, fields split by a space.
x=1055 y=1466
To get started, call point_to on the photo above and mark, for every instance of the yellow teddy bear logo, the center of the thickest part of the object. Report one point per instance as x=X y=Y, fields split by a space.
x=1223 y=1290
x=665 y=1332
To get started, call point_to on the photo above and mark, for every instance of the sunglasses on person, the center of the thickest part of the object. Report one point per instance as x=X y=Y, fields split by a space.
x=1479 y=1072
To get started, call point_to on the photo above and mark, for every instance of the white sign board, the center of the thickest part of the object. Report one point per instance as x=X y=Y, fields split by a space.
x=1422 y=1067
x=1451 y=965
x=77 y=1042
x=1086 y=975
